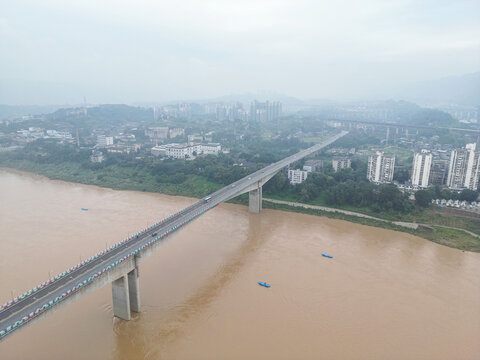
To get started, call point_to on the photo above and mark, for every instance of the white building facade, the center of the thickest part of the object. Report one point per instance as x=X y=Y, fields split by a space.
x=422 y=164
x=186 y=151
x=380 y=168
x=210 y=149
x=103 y=140
x=297 y=176
x=463 y=171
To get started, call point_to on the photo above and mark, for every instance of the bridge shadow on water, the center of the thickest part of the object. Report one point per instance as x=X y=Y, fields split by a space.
x=143 y=339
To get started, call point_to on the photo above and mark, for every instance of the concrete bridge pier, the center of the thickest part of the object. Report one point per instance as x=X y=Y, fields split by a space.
x=121 y=298
x=126 y=295
x=134 y=290
x=255 y=200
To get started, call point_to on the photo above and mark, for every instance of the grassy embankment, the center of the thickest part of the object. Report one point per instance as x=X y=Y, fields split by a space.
x=117 y=177
x=429 y=216
x=122 y=178
x=453 y=238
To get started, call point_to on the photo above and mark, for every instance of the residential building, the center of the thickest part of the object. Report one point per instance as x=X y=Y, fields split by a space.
x=173 y=133
x=438 y=172
x=124 y=148
x=54 y=134
x=265 y=111
x=341 y=163
x=194 y=138
x=103 y=141
x=463 y=171
x=159 y=150
x=380 y=168
x=313 y=165
x=156 y=133
x=209 y=149
x=97 y=157
x=297 y=176
x=422 y=163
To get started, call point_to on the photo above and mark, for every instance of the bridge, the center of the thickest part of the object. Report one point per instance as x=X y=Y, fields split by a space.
x=406 y=126
x=119 y=264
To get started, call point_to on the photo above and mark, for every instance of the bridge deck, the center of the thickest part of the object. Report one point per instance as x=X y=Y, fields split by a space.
x=35 y=302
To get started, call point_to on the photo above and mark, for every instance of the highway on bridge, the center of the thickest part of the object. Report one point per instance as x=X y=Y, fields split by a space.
x=27 y=307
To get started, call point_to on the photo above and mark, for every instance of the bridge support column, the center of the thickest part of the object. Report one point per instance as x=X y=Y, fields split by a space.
x=134 y=290
x=121 y=298
x=255 y=200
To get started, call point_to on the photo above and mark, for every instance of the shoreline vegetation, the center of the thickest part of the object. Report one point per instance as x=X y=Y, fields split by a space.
x=452 y=231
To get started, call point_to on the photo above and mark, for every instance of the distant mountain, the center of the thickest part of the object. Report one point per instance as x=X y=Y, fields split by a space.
x=462 y=90
x=103 y=116
x=9 y=112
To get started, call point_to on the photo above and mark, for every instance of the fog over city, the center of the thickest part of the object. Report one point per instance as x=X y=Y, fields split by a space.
x=58 y=51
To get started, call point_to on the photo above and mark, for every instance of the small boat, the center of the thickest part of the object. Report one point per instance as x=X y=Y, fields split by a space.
x=328 y=256
x=85 y=209
x=261 y=283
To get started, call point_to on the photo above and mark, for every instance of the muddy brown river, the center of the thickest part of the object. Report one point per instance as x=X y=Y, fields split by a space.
x=384 y=295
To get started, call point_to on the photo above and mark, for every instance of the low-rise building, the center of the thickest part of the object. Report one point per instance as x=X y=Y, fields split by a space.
x=313 y=165
x=186 y=151
x=103 y=141
x=172 y=133
x=54 y=134
x=123 y=148
x=297 y=176
x=181 y=151
x=341 y=163
x=209 y=149
x=156 y=133
x=97 y=157
x=194 y=138
x=159 y=150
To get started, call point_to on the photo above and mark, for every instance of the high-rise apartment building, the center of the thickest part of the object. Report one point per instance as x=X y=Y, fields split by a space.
x=438 y=172
x=265 y=111
x=380 y=168
x=463 y=171
x=422 y=163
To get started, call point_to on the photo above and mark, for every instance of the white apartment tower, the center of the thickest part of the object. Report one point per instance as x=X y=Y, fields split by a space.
x=422 y=163
x=463 y=171
x=380 y=168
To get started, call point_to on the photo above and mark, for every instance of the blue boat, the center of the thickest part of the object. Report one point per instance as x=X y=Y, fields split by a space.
x=328 y=256
x=85 y=209
x=261 y=283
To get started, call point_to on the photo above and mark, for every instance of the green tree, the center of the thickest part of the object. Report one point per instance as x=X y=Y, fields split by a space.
x=423 y=198
x=468 y=195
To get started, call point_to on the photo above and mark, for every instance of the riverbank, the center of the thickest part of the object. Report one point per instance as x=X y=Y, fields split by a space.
x=452 y=237
x=462 y=236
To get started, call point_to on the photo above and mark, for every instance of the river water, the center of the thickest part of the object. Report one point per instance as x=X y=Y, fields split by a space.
x=384 y=295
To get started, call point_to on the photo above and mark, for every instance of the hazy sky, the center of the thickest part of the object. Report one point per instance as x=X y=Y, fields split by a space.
x=147 y=50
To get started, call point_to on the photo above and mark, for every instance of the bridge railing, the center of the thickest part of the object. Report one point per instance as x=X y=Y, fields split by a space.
x=74 y=289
